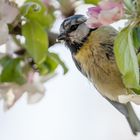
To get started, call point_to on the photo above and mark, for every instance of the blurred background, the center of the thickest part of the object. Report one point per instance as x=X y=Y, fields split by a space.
x=72 y=109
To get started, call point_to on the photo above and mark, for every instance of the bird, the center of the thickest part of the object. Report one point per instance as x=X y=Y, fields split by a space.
x=92 y=51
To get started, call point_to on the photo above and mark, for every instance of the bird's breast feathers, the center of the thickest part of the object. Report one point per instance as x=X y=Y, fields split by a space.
x=97 y=62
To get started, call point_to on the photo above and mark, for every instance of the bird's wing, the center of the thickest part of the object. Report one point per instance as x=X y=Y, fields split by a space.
x=105 y=37
x=108 y=48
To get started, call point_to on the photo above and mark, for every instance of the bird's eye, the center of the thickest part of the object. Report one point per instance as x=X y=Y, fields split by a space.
x=73 y=27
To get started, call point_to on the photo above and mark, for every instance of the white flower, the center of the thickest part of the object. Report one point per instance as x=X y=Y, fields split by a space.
x=129 y=98
x=19 y=2
x=8 y=13
x=34 y=88
x=3 y=33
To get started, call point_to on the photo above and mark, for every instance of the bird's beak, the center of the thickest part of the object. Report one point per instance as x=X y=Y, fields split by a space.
x=62 y=36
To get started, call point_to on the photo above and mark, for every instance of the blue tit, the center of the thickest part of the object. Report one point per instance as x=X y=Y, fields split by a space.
x=93 y=55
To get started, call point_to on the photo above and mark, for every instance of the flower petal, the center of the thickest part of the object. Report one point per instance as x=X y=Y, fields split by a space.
x=109 y=16
x=9 y=99
x=129 y=98
x=3 y=33
x=10 y=93
x=35 y=97
x=105 y=13
x=93 y=23
x=106 y=5
x=8 y=11
x=94 y=11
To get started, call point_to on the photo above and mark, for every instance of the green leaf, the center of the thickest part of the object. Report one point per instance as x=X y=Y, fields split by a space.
x=37 y=11
x=36 y=42
x=129 y=5
x=43 y=69
x=136 y=37
x=29 y=7
x=138 y=56
x=59 y=61
x=137 y=91
x=51 y=63
x=11 y=71
x=126 y=59
x=92 y=1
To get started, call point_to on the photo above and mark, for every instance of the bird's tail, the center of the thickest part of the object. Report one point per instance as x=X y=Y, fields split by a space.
x=132 y=119
x=129 y=113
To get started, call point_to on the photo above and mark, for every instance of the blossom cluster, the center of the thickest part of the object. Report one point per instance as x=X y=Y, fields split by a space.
x=105 y=13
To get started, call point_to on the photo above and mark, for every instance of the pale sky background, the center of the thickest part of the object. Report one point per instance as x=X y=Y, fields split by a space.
x=71 y=110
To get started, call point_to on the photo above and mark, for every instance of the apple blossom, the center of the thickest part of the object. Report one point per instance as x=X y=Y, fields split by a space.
x=34 y=88
x=46 y=2
x=129 y=98
x=105 y=13
x=8 y=13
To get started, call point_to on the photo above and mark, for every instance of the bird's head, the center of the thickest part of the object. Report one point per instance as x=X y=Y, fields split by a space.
x=73 y=31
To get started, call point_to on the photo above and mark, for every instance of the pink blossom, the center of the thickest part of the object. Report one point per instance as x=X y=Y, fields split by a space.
x=47 y=3
x=105 y=13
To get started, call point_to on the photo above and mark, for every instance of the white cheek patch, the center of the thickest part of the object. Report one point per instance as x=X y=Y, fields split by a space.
x=79 y=34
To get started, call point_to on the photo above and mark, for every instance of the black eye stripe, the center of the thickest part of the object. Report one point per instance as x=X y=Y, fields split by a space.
x=73 y=27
